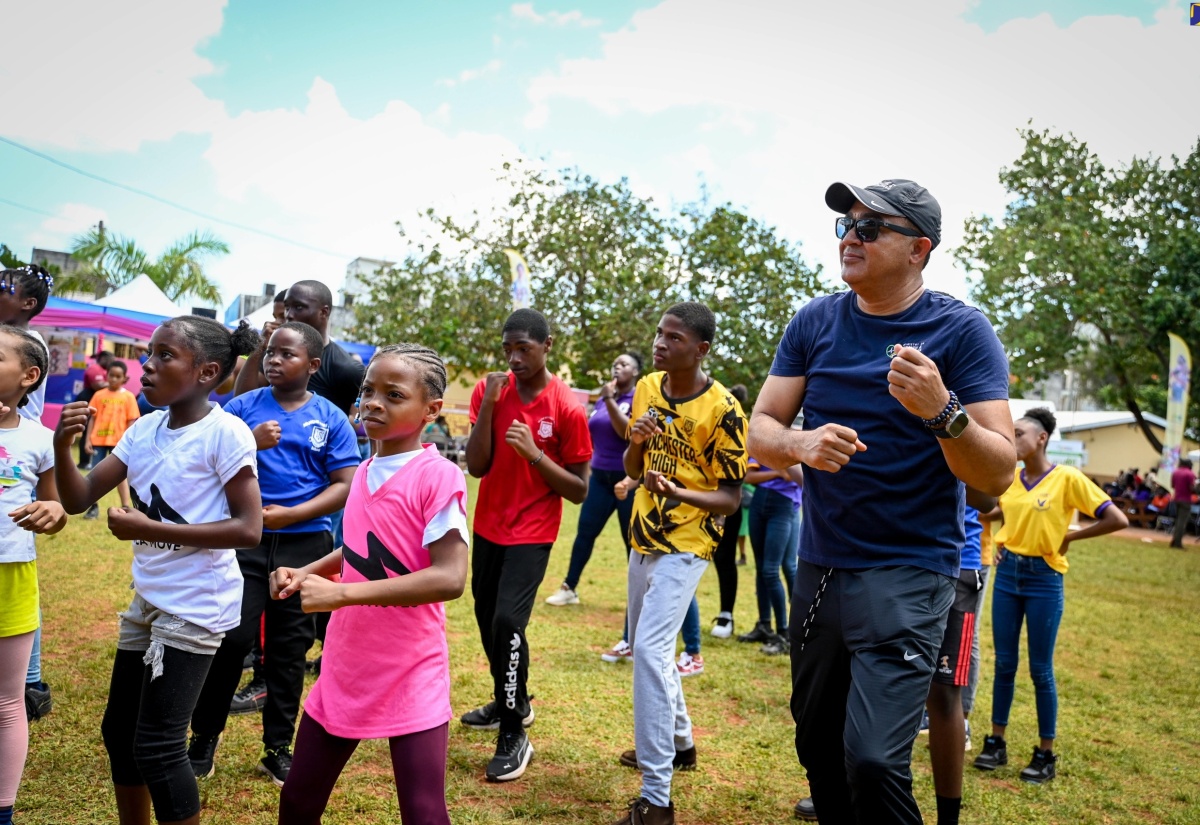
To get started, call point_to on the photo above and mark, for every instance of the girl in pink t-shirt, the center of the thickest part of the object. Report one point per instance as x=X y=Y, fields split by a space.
x=385 y=667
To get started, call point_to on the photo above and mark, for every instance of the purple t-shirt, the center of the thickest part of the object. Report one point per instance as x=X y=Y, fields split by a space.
x=1182 y=481
x=608 y=448
x=785 y=487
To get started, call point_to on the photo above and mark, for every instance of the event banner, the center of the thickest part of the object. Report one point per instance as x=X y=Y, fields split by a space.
x=1178 y=381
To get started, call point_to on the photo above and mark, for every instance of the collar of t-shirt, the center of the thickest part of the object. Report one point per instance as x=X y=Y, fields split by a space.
x=382 y=468
x=164 y=436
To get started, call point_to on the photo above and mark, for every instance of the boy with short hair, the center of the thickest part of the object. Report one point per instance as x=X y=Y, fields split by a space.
x=114 y=409
x=530 y=446
x=687 y=441
x=306 y=461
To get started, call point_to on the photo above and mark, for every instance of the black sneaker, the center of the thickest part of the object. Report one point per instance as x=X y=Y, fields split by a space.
x=1041 y=767
x=37 y=700
x=994 y=754
x=777 y=645
x=313 y=666
x=202 y=752
x=276 y=763
x=92 y=513
x=513 y=752
x=487 y=718
x=249 y=699
x=760 y=633
x=805 y=810
x=683 y=761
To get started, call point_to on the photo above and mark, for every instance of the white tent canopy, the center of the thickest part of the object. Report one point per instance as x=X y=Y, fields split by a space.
x=142 y=295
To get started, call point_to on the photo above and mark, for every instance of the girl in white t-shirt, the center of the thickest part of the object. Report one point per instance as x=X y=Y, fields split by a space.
x=26 y=457
x=385 y=668
x=193 y=477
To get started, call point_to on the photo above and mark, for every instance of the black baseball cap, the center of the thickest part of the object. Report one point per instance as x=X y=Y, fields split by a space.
x=903 y=198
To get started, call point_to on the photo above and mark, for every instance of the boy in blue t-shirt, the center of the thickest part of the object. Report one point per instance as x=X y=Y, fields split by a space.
x=306 y=461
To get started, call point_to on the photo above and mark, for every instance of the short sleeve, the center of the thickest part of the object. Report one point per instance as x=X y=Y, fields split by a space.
x=45 y=452
x=477 y=399
x=979 y=371
x=638 y=406
x=1085 y=496
x=791 y=356
x=236 y=406
x=232 y=449
x=577 y=440
x=128 y=443
x=730 y=443
x=343 y=445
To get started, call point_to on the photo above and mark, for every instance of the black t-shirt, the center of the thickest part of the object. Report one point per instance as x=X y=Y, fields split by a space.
x=339 y=377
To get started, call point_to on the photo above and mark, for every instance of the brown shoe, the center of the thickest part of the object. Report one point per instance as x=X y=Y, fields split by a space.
x=684 y=760
x=642 y=812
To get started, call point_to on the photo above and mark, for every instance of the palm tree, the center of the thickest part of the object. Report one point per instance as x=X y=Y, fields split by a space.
x=108 y=261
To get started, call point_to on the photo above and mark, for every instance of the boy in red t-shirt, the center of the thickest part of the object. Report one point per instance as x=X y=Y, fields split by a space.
x=113 y=411
x=530 y=446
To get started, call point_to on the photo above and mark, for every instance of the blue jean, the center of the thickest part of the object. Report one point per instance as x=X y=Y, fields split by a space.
x=33 y=675
x=691 y=628
x=1028 y=591
x=774 y=536
x=597 y=509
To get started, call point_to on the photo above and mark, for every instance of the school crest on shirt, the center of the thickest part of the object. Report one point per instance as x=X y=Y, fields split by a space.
x=319 y=436
x=545 y=428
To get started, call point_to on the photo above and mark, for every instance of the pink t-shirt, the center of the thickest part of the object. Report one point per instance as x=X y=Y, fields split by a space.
x=385 y=671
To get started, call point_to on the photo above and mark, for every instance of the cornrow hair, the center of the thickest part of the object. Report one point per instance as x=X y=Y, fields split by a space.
x=211 y=341
x=32 y=353
x=431 y=365
x=314 y=343
x=35 y=282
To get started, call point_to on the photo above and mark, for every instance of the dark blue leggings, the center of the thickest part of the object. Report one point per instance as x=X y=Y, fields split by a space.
x=418 y=766
x=1028 y=591
x=597 y=509
x=774 y=537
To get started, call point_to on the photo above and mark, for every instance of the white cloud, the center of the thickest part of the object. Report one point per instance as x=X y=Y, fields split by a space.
x=72 y=219
x=908 y=90
x=105 y=76
x=467 y=75
x=340 y=182
x=525 y=11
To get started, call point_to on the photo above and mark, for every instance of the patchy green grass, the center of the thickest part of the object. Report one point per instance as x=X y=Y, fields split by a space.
x=1128 y=677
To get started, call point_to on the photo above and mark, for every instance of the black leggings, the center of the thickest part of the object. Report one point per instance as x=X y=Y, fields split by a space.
x=145 y=728
x=725 y=560
x=418 y=766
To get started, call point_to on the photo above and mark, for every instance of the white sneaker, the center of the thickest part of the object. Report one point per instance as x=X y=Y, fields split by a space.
x=563 y=596
x=722 y=626
x=689 y=665
x=621 y=652
x=967 y=740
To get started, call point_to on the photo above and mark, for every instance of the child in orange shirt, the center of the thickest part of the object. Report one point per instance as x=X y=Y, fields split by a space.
x=114 y=409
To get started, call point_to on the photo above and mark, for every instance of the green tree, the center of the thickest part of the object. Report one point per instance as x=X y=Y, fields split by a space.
x=8 y=258
x=108 y=261
x=1091 y=266
x=604 y=264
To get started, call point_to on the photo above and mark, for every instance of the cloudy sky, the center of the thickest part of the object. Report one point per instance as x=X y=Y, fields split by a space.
x=324 y=124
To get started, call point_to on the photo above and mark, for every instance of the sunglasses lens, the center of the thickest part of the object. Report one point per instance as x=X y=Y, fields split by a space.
x=842 y=227
x=867 y=229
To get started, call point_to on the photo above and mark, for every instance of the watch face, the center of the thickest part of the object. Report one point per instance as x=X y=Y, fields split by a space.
x=957 y=423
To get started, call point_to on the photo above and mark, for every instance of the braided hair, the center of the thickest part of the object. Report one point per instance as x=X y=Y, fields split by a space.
x=32 y=353
x=34 y=281
x=428 y=363
x=211 y=341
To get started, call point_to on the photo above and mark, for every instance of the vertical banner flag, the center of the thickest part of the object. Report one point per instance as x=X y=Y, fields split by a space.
x=522 y=295
x=1178 y=380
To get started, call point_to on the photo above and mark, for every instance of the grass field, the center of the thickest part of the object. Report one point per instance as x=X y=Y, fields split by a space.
x=1128 y=675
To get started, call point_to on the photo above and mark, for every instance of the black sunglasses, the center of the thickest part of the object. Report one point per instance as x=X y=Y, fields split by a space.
x=867 y=229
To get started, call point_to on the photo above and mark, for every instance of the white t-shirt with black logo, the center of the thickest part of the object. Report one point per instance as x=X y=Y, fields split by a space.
x=179 y=476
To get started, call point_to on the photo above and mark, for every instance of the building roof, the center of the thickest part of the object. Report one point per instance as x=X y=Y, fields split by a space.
x=1071 y=422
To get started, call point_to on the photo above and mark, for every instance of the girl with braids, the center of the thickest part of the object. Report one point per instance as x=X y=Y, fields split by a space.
x=26 y=459
x=192 y=473
x=385 y=672
x=24 y=292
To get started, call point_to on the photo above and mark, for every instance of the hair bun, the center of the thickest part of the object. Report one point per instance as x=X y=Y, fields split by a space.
x=245 y=339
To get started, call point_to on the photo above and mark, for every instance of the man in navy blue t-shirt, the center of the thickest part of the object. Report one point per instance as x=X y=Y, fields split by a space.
x=905 y=400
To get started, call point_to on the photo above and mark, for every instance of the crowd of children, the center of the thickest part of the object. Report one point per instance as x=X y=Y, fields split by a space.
x=235 y=515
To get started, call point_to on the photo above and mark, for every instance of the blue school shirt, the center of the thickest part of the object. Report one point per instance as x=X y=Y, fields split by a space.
x=897 y=503
x=315 y=440
x=972 y=552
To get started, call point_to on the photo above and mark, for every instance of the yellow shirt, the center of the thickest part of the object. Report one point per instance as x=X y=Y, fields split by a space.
x=702 y=445
x=986 y=546
x=1036 y=519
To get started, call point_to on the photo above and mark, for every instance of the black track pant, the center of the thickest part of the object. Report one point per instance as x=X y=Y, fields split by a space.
x=504 y=583
x=861 y=670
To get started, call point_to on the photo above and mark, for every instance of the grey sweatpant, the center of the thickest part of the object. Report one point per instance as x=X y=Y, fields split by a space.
x=661 y=587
